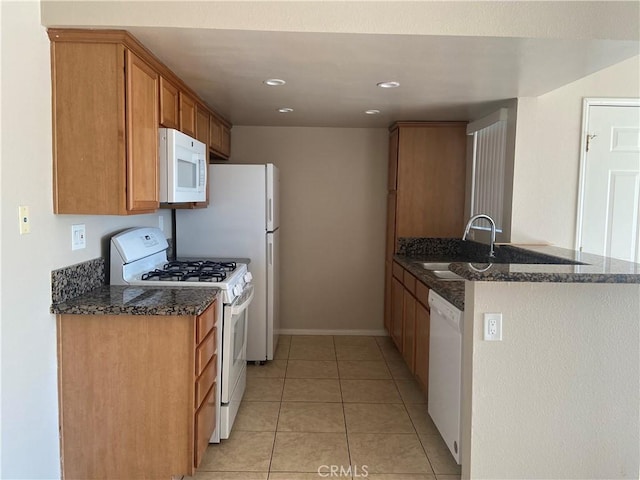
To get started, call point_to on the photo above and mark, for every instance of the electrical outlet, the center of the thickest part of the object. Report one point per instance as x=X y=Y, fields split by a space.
x=78 y=237
x=493 y=326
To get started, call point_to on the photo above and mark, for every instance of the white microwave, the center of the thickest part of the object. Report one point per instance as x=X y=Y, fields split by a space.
x=183 y=167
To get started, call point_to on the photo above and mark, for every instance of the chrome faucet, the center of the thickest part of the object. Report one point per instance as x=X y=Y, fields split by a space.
x=492 y=252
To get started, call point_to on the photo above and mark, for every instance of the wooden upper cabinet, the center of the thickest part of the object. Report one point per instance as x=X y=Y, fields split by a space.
x=187 y=114
x=393 y=161
x=220 y=138
x=105 y=120
x=142 y=131
x=169 y=104
x=202 y=125
x=431 y=180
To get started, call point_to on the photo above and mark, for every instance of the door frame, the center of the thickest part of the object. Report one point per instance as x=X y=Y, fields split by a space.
x=587 y=103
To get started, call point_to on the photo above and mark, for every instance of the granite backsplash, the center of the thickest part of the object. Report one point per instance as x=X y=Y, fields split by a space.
x=75 y=280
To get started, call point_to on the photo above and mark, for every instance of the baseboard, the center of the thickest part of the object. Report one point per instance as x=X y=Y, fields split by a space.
x=366 y=333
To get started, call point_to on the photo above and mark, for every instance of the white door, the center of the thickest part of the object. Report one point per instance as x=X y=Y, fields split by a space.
x=610 y=222
x=273 y=292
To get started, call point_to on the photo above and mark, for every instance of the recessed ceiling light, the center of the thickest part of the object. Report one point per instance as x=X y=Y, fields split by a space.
x=373 y=111
x=285 y=110
x=274 y=82
x=388 y=84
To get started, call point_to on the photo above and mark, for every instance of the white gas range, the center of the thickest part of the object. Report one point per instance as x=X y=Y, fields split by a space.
x=139 y=257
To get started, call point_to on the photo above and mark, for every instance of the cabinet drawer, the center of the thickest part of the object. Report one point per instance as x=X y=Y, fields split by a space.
x=397 y=271
x=409 y=282
x=205 y=322
x=205 y=381
x=205 y=423
x=422 y=294
x=205 y=351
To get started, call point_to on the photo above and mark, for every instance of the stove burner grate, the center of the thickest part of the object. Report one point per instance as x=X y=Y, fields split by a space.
x=191 y=271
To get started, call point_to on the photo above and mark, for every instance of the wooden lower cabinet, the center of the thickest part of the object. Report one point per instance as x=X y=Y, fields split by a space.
x=138 y=394
x=409 y=329
x=421 y=371
x=397 y=308
x=410 y=322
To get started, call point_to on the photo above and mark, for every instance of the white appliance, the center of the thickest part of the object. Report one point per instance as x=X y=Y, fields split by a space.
x=183 y=167
x=241 y=221
x=445 y=370
x=139 y=257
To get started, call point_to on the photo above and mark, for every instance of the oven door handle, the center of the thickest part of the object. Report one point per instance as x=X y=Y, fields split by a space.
x=238 y=309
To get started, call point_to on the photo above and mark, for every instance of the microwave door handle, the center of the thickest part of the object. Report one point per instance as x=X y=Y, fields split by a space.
x=238 y=309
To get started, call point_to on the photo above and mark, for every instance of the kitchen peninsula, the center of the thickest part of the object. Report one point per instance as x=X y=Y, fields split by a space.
x=550 y=400
x=137 y=375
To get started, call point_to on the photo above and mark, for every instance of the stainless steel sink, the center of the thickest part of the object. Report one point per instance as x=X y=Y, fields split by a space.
x=435 y=266
x=446 y=275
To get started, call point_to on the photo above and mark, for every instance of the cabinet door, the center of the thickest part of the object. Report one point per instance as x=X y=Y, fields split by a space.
x=397 y=291
x=431 y=181
x=388 y=306
x=205 y=421
x=408 y=329
x=169 y=104
x=225 y=148
x=187 y=115
x=422 y=347
x=142 y=135
x=215 y=134
x=202 y=125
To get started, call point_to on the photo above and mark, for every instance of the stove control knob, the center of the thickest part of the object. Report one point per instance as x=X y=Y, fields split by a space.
x=237 y=290
x=248 y=277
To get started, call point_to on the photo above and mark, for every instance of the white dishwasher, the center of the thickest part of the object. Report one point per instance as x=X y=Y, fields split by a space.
x=445 y=370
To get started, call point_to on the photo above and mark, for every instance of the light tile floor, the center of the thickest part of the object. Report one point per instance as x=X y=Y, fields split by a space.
x=331 y=401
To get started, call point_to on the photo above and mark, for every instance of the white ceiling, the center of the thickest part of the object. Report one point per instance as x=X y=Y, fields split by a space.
x=331 y=76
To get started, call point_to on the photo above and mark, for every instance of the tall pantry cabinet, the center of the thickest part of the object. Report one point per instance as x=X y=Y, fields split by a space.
x=426 y=194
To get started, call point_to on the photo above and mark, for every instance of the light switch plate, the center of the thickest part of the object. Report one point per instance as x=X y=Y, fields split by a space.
x=23 y=216
x=78 y=237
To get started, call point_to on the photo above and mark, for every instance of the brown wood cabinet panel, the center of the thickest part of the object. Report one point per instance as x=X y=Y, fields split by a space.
x=393 y=160
x=387 y=296
x=408 y=329
x=187 y=114
x=431 y=181
x=202 y=125
x=409 y=282
x=398 y=271
x=169 y=104
x=205 y=322
x=205 y=351
x=391 y=226
x=126 y=404
x=397 y=293
x=105 y=120
x=204 y=382
x=88 y=94
x=142 y=134
x=422 y=294
x=205 y=417
x=226 y=141
x=422 y=347
x=215 y=134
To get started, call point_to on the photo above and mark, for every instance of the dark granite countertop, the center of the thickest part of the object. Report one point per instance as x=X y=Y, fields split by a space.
x=136 y=300
x=513 y=264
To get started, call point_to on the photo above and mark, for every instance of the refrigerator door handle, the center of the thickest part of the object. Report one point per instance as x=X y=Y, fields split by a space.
x=270 y=210
x=270 y=253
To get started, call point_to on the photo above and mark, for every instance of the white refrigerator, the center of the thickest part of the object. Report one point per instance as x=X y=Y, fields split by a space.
x=241 y=221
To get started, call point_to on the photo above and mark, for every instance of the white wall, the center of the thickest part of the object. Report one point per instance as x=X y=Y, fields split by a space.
x=29 y=385
x=545 y=189
x=558 y=397
x=333 y=215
